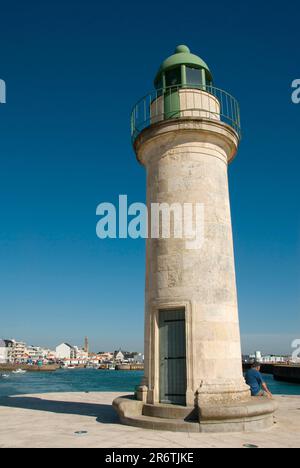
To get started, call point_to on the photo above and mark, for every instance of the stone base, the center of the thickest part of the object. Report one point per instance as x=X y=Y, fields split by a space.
x=223 y=394
x=253 y=415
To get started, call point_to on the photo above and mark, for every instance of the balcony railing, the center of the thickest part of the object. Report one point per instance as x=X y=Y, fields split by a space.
x=188 y=101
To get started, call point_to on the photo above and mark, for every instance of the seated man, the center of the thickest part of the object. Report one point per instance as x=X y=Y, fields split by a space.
x=255 y=381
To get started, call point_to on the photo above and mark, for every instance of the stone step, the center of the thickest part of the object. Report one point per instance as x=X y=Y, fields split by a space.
x=164 y=411
x=252 y=415
x=159 y=424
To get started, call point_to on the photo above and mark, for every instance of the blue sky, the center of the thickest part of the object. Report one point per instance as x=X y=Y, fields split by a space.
x=73 y=71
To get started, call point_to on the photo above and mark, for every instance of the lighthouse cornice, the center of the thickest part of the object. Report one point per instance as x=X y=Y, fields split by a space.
x=168 y=133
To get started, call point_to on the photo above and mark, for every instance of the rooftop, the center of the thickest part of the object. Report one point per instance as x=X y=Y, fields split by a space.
x=182 y=56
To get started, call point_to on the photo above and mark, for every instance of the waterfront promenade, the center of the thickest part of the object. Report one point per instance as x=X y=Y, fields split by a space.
x=52 y=420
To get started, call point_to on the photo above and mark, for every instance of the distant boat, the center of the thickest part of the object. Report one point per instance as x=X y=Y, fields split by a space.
x=4 y=376
x=71 y=367
x=19 y=371
x=111 y=367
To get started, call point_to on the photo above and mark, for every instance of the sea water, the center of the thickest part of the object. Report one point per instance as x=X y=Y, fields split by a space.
x=67 y=380
x=91 y=380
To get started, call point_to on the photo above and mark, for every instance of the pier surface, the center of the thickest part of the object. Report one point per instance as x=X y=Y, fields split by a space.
x=52 y=421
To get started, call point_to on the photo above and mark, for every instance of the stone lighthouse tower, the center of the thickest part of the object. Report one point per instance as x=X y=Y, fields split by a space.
x=185 y=134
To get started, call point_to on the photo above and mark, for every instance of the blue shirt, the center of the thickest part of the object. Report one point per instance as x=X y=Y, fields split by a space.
x=254 y=380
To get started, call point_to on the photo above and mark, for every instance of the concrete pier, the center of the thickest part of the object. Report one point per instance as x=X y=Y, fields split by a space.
x=285 y=373
x=22 y=424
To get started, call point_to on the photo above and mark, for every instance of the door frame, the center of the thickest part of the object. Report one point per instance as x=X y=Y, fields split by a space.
x=154 y=367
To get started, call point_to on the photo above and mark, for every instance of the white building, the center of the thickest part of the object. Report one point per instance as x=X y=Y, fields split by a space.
x=139 y=358
x=81 y=353
x=267 y=359
x=6 y=351
x=258 y=356
x=65 y=351
x=36 y=353
x=19 y=351
x=273 y=359
x=118 y=356
x=3 y=352
x=105 y=357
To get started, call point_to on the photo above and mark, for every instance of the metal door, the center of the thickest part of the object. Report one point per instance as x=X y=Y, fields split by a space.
x=172 y=350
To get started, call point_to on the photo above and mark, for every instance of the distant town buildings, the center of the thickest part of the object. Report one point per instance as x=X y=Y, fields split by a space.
x=273 y=359
x=266 y=359
x=128 y=357
x=35 y=353
x=65 y=354
x=104 y=357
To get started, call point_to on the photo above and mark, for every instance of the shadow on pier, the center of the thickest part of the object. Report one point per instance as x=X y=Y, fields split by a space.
x=104 y=414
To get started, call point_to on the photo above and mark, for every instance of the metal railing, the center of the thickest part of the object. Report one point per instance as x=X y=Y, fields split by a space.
x=167 y=103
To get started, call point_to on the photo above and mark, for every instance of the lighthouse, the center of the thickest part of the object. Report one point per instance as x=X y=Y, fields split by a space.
x=186 y=133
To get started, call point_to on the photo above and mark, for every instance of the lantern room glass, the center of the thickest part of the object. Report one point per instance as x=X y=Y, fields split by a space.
x=194 y=77
x=173 y=77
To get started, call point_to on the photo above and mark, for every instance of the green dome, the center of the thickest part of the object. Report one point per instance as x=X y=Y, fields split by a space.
x=182 y=56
